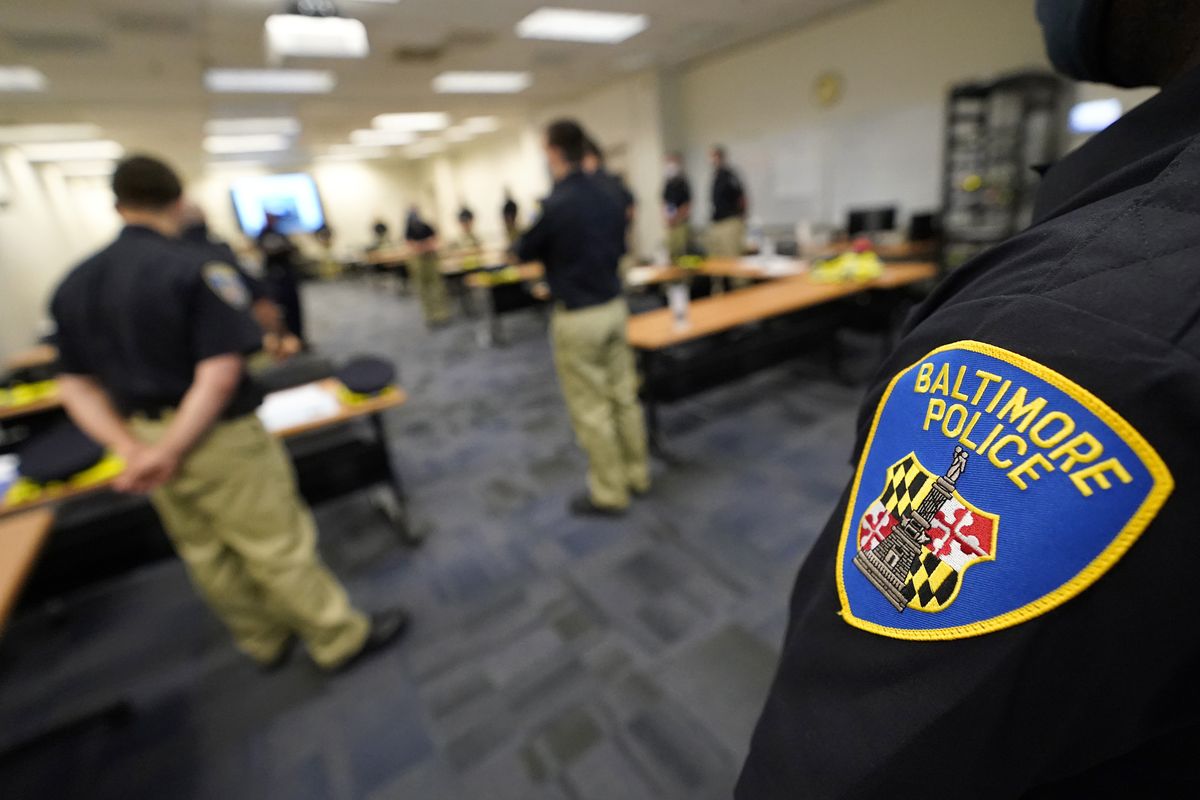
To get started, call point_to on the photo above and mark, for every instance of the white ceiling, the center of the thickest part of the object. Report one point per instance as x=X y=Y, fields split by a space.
x=135 y=66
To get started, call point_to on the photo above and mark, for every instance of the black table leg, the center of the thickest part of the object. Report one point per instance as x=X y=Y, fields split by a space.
x=394 y=503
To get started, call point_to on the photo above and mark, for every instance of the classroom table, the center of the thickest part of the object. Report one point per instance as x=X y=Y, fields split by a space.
x=40 y=406
x=21 y=540
x=503 y=290
x=43 y=355
x=654 y=332
x=371 y=409
x=899 y=251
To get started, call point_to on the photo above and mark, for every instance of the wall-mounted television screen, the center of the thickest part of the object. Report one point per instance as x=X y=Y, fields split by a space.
x=293 y=198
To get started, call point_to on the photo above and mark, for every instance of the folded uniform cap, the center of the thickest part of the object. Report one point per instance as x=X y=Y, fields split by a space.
x=58 y=453
x=367 y=375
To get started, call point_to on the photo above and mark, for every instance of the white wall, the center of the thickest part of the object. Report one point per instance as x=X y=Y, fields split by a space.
x=882 y=143
x=49 y=223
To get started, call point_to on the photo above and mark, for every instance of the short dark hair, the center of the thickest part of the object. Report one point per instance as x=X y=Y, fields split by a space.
x=567 y=137
x=145 y=182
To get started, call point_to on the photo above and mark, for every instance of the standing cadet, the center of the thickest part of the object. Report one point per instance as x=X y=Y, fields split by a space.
x=278 y=342
x=467 y=240
x=727 y=234
x=578 y=239
x=431 y=286
x=1004 y=602
x=594 y=164
x=512 y=228
x=282 y=272
x=152 y=336
x=677 y=207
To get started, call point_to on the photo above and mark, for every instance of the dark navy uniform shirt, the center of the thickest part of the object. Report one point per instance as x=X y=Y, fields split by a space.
x=677 y=192
x=1046 y=640
x=140 y=314
x=579 y=239
x=728 y=196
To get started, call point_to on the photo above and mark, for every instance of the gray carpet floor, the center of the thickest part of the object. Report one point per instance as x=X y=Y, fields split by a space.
x=551 y=657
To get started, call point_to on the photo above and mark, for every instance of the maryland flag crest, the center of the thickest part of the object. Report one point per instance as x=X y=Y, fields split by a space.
x=918 y=537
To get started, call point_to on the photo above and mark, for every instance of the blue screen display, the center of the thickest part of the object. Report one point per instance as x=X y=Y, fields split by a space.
x=293 y=198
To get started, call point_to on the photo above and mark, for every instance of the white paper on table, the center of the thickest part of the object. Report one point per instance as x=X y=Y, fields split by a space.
x=299 y=406
x=777 y=265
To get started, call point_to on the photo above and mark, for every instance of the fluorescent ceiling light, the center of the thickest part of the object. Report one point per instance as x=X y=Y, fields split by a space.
x=288 y=126
x=315 y=37
x=97 y=150
x=481 y=124
x=278 y=81
x=26 y=134
x=373 y=137
x=88 y=169
x=21 y=79
x=248 y=143
x=419 y=122
x=571 y=25
x=482 y=82
x=459 y=134
x=1094 y=116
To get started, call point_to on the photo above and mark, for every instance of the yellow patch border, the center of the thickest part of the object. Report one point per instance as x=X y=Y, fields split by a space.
x=1164 y=484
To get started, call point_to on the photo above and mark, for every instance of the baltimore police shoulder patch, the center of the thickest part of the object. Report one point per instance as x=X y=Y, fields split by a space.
x=227 y=284
x=990 y=490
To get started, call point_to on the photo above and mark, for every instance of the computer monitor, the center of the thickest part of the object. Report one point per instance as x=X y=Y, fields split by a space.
x=870 y=220
x=293 y=198
x=923 y=227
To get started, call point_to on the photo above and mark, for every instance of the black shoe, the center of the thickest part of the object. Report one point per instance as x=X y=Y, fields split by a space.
x=582 y=506
x=276 y=662
x=387 y=628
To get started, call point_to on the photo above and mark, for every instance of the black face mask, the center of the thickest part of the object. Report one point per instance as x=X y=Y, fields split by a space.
x=1074 y=35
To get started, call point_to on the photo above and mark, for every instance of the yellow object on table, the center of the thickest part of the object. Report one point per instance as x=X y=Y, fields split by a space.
x=24 y=394
x=849 y=267
x=689 y=262
x=349 y=398
x=27 y=491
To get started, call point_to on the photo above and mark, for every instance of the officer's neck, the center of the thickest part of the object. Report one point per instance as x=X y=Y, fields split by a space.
x=160 y=221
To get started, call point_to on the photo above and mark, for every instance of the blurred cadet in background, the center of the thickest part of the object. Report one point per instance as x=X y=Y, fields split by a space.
x=467 y=240
x=510 y=212
x=727 y=234
x=278 y=342
x=594 y=164
x=427 y=272
x=380 y=236
x=281 y=273
x=579 y=239
x=677 y=207
x=153 y=335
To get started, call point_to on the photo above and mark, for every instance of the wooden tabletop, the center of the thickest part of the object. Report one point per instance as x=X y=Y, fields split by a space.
x=41 y=356
x=345 y=413
x=656 y=330
x=25 y=409
x=901 y=251
x=522 y=272
x=21 y=540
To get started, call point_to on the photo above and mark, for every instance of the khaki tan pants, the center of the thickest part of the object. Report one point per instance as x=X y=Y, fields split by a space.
x=431 y=288
x=727 y=238
x=599 y=383
x=236 y=519
x=678 y=236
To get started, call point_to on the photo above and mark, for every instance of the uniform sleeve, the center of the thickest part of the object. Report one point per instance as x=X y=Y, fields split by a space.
x=221 y=323
x=72 y=357
x=536 y=240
